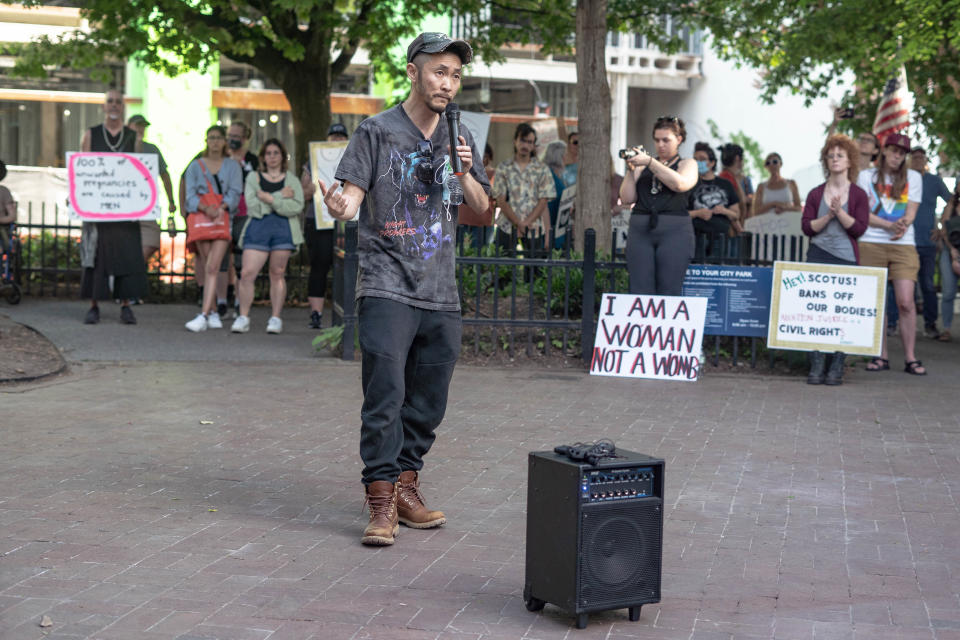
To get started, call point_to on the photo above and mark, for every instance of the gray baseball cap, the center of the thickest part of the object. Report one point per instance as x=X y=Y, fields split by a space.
x=434 y=42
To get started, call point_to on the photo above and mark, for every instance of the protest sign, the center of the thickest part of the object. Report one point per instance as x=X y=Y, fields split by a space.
x=564 y=213
x=655 y=337
x=620 y=224
x=324 y=159
x=827 y=308
x=112 y=187
x=777 y=224
x=738 y=298
x=478 y=124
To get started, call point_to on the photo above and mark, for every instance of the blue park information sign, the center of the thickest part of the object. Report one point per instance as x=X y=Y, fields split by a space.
x=738 y=298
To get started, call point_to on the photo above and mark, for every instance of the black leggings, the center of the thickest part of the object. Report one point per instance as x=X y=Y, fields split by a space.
x=657 y=259
x=320 y=250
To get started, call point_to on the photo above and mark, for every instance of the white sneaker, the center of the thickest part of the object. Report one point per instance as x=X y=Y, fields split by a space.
x=213 y=321
x=241 y=324
x=274 y=325
x=197 y=324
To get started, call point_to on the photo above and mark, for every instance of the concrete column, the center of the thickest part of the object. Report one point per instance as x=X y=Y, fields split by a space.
x=619 y=115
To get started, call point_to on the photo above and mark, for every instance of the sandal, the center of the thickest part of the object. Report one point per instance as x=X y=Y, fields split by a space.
x=878 y=364
x=912 y=366
x=944 y=336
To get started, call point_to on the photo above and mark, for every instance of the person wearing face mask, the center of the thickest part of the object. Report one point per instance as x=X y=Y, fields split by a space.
x=894 y=193
x=835 y=215
x=712 y=203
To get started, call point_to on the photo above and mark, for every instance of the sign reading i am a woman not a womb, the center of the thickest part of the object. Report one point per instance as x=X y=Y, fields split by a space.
x=642 y=336
x=827 y=308
x=113 y=187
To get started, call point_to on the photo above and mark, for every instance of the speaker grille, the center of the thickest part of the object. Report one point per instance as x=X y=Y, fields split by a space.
x=620 y=553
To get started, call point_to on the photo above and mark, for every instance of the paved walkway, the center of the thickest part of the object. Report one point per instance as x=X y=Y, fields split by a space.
x=159 y=497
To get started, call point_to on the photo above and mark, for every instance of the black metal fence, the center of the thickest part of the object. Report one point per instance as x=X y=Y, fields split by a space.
x=521 y=296
x=49 y=261
x=515 y=295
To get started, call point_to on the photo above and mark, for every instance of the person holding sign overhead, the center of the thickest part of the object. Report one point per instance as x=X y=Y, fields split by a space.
x=214 y=189
x=835 y=215
x=660 y=241
x=894 y=193
x=112 y=249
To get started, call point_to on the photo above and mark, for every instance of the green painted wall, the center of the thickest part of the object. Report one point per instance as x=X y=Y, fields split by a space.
x=179 y=111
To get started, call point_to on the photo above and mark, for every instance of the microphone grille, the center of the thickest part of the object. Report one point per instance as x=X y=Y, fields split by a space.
x=452 y=107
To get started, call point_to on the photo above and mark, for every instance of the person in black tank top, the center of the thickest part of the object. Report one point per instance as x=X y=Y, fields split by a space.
x=660 y=240
x=118 y=253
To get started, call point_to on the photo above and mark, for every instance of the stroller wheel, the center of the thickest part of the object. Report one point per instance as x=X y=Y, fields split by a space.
x=14 y=295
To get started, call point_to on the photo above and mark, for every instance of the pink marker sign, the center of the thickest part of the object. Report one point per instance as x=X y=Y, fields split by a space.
x=111 y=187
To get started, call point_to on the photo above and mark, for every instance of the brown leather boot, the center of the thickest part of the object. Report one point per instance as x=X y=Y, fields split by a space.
x=410 y=507
x=382 y=498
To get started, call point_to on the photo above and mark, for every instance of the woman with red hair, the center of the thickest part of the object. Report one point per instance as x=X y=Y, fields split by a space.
x=835 y=215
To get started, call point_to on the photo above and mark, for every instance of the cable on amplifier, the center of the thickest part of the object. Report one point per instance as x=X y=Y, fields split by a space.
x=590 y=453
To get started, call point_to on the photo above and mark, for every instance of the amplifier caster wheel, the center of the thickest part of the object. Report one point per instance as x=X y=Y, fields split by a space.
x=635 y=613
x=582 y=620
x=534 y=604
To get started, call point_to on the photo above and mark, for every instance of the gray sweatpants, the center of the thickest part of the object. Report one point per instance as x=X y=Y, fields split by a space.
x=657 y=259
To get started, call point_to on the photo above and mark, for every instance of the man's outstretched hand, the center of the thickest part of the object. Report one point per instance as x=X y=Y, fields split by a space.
x=338 y=203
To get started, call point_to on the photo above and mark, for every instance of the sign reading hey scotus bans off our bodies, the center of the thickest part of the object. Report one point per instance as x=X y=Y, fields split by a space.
x=649 y=337
x=112 y=187
x=827 y=308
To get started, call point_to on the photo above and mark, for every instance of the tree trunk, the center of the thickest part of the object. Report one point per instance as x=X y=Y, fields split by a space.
x=308 y=91
x=593 y=110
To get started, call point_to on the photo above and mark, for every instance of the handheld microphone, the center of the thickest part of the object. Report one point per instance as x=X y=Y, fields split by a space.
x=453 y=125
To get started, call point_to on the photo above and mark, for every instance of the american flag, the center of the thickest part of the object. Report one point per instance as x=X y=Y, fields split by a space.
x=893 y=115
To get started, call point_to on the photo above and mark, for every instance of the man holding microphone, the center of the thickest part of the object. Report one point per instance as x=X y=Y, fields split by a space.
x=400 y=172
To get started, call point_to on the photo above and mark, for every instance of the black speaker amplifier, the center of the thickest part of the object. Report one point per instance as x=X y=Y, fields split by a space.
x=594 y=533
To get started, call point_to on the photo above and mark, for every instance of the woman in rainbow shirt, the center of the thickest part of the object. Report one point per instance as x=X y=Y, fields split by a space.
x=894 y=193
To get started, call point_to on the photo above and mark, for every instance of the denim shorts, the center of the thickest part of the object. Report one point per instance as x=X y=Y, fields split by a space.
x=269 y=233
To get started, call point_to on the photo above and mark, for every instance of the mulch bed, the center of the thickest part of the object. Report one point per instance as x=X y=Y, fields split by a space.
x=25 y=354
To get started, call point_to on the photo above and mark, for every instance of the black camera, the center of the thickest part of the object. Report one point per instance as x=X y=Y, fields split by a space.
x=626 y=154
x=845 y=114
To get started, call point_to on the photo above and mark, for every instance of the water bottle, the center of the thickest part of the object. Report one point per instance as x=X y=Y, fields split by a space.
x=171 y=226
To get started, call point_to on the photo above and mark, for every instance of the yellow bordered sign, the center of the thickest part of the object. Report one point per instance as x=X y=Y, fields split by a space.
x=827 y=307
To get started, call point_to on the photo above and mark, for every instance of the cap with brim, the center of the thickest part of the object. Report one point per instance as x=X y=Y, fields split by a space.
x=898 y=140
x=433 y=42
x=920 y=149
x=139 y=119
x=337 y=129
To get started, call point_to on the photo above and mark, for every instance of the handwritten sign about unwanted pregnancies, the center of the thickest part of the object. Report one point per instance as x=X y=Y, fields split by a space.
x=111 y=187
x=827 y=308
x=649 y=337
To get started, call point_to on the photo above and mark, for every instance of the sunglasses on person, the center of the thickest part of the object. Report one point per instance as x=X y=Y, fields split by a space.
x=673 y=119
x=424 y=168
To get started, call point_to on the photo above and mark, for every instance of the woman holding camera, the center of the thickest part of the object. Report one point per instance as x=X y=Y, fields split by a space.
x=949 y=265
x=660 y=240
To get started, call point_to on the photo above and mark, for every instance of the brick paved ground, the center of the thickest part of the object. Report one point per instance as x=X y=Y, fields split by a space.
x=792 y=511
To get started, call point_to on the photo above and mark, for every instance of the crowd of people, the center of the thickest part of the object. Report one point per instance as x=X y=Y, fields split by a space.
x=242 y=211
x=246 y=210
x=872 y=210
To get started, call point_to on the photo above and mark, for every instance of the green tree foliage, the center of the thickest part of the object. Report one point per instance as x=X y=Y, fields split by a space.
x=808 y=46
x=301 y=45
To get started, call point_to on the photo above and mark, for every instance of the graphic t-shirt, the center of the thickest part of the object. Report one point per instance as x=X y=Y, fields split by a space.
x=891 y=206
x=708 y=194
x=408 y=218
